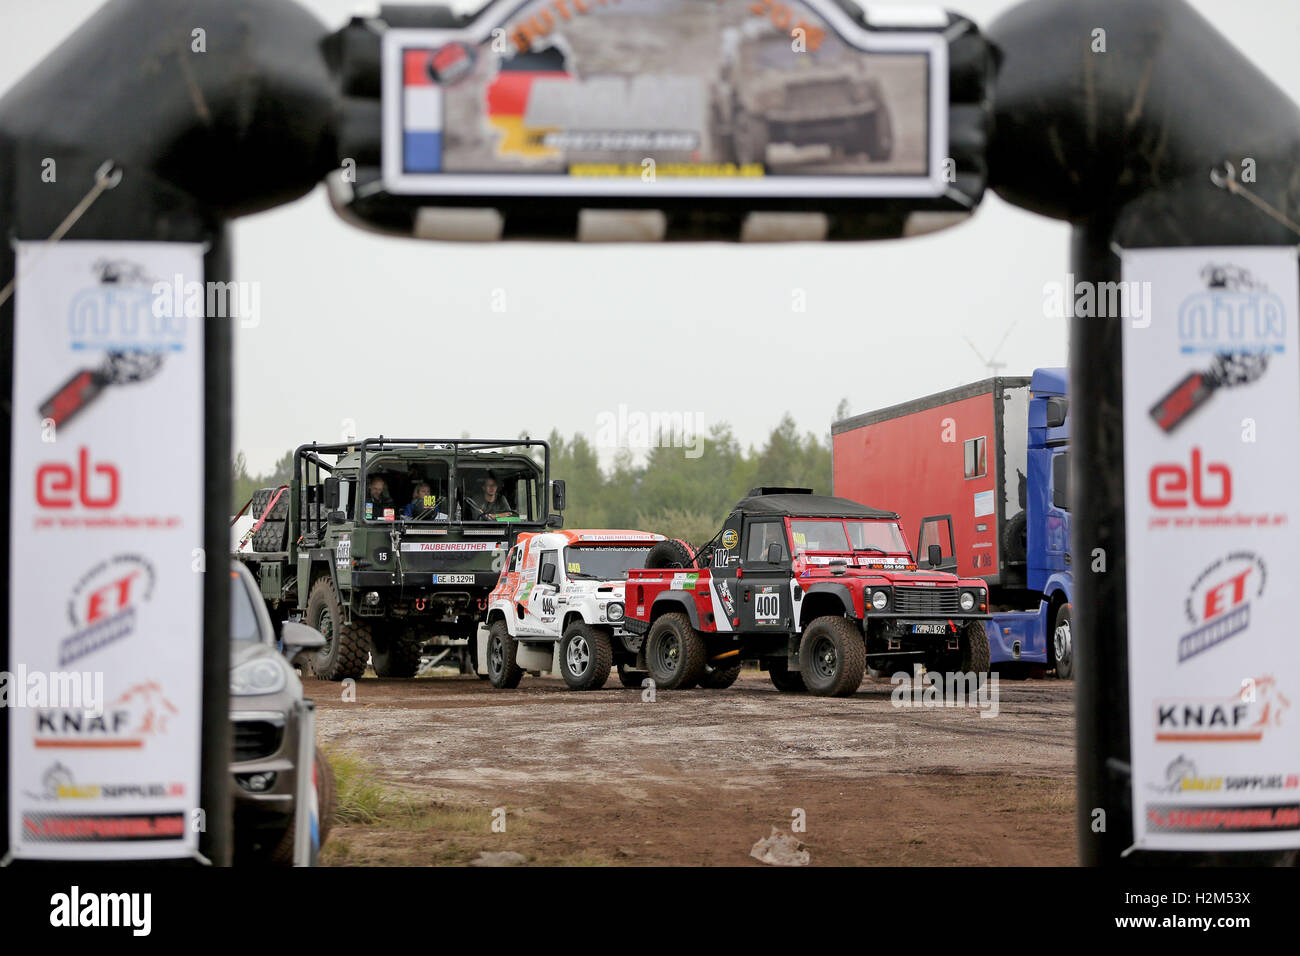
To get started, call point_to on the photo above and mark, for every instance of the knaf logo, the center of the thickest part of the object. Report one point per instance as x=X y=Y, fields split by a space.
x=1235 y=313
x=1244 y=717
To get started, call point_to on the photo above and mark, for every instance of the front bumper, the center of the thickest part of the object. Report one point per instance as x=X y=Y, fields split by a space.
x=266 y=740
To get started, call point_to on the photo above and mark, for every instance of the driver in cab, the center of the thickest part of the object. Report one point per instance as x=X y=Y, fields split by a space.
x=493 y=503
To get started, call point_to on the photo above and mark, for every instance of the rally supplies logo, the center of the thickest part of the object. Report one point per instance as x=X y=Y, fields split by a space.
x=58 y=783
x=103 y=608
x=116 y=317
x=1244 y=717
x=1218 y=602
x=129 y=721
x=1237 y=321
x=1181 y=777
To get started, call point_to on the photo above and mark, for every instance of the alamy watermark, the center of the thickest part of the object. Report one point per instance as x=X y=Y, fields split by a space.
x=214 y=300
x=625 y=428
x=1078 y=299
x=953 y=689
x=66 y=690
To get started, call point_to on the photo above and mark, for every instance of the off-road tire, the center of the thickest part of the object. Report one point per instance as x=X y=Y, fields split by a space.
x=393 y=656
x=503 y=671
x=719 y=678
x=270 y=537
x=1015 y=540
x=784 y=679
x=669 y=554
x=1064 y=666
x=631 y=678
x=347 y=645
x=594 y=651
x=832 y=657
x=674 y=652
x=974 y=643
x=326 y=804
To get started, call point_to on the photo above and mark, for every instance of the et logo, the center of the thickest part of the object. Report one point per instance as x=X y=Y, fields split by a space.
x=1173 y=486
x=60 y=485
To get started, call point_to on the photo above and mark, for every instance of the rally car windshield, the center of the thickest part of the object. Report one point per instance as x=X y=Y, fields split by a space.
x=845 y=537
x=604 y=562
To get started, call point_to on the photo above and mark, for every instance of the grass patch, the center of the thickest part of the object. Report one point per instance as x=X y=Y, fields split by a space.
x=362 y=797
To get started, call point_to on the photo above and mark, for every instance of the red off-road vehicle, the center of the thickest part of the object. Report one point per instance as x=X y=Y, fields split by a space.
x=812 y=586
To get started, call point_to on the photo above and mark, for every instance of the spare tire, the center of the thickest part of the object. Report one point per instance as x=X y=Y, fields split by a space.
x=270 y=537
x=1015 y=539
x=280 y=512
x=670 y=553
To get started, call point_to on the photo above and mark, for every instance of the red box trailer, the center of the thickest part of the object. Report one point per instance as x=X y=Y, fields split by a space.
x=953 y=466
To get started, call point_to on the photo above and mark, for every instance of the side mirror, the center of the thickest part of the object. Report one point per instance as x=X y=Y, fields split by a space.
x=555 y=521
x=297 y=638
x=773 y=553
x=547 y=574
x=337 y=517
x=1061 y=481
x=935 y=554
x=331 y=494
x=557 y=494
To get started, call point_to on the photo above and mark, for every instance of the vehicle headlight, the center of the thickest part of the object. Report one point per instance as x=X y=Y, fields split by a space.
x=614 y=611
x=879 y=600
x=967 y=601
x=262 y=676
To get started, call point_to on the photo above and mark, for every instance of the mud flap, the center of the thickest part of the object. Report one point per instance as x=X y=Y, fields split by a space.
x=480 y=640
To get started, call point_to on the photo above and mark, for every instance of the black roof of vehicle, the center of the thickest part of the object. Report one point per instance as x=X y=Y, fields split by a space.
x=798 y=505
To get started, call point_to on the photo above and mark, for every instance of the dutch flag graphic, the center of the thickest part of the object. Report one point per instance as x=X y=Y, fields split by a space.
x=421 y=114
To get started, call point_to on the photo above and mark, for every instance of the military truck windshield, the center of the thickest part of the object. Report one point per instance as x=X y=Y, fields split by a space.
x=605 y=562
x=414 y=490
x=497 y=491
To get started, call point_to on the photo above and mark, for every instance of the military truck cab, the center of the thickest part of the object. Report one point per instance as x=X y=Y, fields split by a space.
x=391 y=546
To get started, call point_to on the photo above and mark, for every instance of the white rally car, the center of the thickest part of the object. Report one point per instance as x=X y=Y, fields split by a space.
x=558 y=606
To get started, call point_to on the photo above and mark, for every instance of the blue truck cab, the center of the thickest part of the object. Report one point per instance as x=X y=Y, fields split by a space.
x=1038 y=630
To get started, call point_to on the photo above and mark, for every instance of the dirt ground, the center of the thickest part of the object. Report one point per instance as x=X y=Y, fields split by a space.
x=696 y=777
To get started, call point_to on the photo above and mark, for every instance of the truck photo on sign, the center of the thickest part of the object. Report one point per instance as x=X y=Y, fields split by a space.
x=106 y=506
x=1210 y=387
x=733 y=97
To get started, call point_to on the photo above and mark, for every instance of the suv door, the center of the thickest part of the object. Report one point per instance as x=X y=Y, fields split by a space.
x=540 y=608
x=936 y=529
x=765 y=585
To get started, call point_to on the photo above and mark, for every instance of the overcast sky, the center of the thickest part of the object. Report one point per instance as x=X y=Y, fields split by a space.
x=399 y=336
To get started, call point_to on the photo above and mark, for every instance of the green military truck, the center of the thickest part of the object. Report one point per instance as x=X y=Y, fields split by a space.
x=390 y=547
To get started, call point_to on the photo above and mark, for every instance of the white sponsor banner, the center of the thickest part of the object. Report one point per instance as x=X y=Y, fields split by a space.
x=453 y=545
x=1211 y=432
x=106 y=509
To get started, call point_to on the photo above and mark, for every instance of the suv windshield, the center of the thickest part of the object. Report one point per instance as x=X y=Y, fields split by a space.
x=882 y=536
x=603 y=562
x=243 y=619
x=846 y=536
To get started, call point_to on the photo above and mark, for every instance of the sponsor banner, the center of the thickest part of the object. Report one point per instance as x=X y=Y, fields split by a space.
x=106 y=505
x=730 y=98
x=454 y=545
x=1211 y=379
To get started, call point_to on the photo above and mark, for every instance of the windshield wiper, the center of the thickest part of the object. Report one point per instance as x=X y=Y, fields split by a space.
x=870 y=548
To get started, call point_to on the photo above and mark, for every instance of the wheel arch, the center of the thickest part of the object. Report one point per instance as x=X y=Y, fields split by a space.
x=669 y=602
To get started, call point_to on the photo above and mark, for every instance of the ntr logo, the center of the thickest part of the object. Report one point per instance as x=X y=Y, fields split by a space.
x=1210 y=487
x=60 y=485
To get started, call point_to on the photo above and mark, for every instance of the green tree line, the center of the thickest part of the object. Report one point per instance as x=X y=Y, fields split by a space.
x=663 y=490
